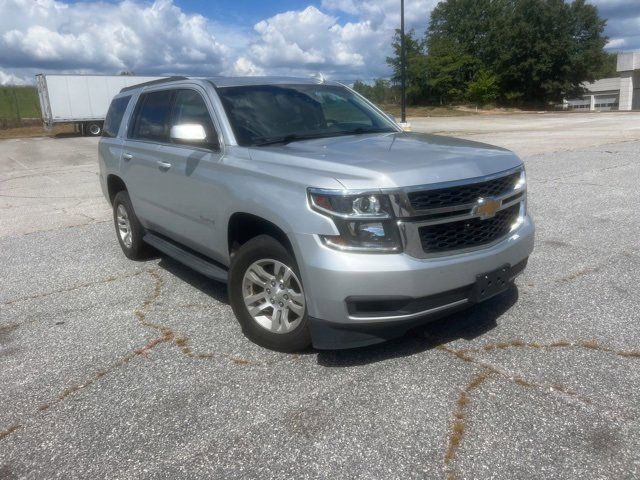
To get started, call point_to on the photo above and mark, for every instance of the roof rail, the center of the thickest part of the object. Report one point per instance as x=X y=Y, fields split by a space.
x=153 y=82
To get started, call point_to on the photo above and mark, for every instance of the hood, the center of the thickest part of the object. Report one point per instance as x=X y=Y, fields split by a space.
x=389 y=160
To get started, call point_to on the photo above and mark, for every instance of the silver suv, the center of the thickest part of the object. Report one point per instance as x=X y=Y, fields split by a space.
x=330 y=225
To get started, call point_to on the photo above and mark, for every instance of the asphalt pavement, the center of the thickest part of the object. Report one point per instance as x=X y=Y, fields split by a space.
x=117 y=369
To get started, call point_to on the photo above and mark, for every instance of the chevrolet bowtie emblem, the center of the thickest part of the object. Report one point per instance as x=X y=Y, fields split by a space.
x=486 y=207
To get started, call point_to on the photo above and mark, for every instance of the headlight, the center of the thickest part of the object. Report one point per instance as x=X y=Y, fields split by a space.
x=521 y=186
x=365 y=221
x=522 y=181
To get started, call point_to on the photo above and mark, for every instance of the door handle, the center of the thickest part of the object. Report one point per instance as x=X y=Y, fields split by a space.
x=163 y=165
x=127 y=156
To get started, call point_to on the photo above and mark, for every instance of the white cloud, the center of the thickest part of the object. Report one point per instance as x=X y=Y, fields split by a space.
x=160 y=38
x=348 y=6
x=144 y=38
x=616 y=43
x=385 y=14
x=317 y=40
x=11 y=79
x=343 y=39
x=245 y=67
x=312 y=40
x=623 y=23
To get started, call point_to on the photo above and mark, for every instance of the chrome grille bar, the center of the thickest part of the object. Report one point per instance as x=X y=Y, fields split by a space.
x=411 y=221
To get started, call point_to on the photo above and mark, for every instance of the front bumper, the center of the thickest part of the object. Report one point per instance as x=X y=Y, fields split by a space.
x=336 y=281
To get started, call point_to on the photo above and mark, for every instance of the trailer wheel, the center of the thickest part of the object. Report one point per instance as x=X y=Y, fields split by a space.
x=94 y=129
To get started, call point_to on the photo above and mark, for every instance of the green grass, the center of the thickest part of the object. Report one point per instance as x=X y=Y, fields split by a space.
x=19 y=102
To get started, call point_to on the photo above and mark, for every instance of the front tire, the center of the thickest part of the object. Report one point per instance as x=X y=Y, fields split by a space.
x=128 y=228
x=267 y=296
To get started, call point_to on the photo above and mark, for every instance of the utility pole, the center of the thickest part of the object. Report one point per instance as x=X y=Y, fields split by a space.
x=403 y=67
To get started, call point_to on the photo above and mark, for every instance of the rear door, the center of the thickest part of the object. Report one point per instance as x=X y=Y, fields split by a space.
x=142 y=164
x=112 y=141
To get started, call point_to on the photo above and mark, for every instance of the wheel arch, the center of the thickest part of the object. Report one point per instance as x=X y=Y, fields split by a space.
x=115 y=184
x=243 y=226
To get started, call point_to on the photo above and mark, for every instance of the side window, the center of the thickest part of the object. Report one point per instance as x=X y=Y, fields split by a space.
x=114 y=116
x=189 y=107
x=153 y=114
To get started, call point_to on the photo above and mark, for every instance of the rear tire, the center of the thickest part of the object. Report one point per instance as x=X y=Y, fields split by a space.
x=128 y=228
x=93 y=129
x=265 y=279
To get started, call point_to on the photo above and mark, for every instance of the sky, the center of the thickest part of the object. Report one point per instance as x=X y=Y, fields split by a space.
x=343 y=39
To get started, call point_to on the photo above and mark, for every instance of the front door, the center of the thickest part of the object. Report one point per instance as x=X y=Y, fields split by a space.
x=190 y=182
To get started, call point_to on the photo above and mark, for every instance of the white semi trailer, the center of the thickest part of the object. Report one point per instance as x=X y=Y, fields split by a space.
x=81 y=99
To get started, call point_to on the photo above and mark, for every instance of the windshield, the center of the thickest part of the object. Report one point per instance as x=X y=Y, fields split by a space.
x=268 y=114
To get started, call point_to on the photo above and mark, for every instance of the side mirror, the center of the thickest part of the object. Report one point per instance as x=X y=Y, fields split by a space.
x=192 y=134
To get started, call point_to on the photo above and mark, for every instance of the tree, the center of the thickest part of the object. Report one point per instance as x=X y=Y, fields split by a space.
x=363 y=89
x=609 y=66
x=417 y=85
x=483 y=89
x=537 y=50
x=381 y=92
x=449 y=69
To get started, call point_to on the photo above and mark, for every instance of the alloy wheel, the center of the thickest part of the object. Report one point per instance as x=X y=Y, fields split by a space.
x=124 y=226
x=273 y=295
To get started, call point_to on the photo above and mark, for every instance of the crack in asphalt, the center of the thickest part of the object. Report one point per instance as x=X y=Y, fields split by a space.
x=460 y=421
x=168 y=336
x=83 y=224
x=43 y=172
x=182 y=342
x=8 y=431
x=594 y=268
x=460 y=416
x=587 y=344
x=593 y=170
x=142 y=351
x=40 y=197
x=71 y=288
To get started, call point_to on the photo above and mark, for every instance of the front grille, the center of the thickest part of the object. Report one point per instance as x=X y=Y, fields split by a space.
x=467 y=233
x=463 y=194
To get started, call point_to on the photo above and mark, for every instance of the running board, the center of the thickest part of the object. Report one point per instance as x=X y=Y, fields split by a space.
x=194 y=261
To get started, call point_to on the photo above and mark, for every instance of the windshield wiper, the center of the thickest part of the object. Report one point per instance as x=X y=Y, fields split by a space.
x=297 y=137
x=288 y=138
x=362 y=131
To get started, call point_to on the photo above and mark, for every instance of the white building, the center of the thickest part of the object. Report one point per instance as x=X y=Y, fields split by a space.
x=617 y=93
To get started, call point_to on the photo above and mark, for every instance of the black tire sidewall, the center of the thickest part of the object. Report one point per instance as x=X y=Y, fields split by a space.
x=138 y=249
x=258 y=248
x=90 y=133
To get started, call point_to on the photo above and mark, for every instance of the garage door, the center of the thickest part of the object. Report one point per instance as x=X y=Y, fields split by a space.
x=606 y=102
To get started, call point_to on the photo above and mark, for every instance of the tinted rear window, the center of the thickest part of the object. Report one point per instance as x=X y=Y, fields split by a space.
x=114 y=116
x=153 y=116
